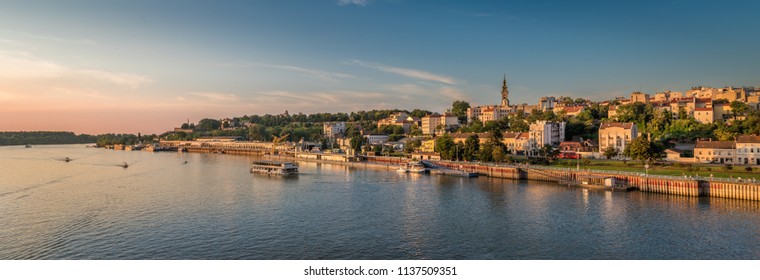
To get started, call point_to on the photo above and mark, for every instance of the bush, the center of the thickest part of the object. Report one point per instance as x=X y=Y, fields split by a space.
x=748 y=168
x=586 y=161
x=709 y=169
x=728 y=167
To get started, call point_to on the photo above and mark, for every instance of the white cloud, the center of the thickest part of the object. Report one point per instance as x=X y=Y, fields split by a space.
x=23 y=65
x=216 y=96
x=49 y=38
x=122 y=79
x=360 y=3
x=407 y=72
x=324 y=75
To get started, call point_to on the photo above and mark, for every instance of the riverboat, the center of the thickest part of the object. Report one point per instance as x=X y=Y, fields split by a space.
x=274 y=168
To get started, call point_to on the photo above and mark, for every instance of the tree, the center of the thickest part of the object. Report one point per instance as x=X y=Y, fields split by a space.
x=643 y=150
x=445 y=146
x=377 y=149
x=471 y=147
x=208 y=124
x=518 y=123
x=459 y=108
x=610 y=152
x=738 y=108
x=548 y=152
x=415 y=131
x=412 y=145
x=356 y=142
x=498 y=154
x=682 y=115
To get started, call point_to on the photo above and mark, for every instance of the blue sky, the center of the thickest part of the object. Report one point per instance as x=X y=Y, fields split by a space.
x=146 y=66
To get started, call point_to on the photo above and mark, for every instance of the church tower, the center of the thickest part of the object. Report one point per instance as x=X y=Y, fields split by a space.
x=504 y=93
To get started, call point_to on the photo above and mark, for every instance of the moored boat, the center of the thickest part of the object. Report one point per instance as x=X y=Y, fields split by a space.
x=416 y=167
x=274 y=167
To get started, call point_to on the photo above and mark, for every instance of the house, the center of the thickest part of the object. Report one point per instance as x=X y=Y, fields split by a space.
x=616 y=135
x=715 y=151
x=519 y=143
x=748 y=149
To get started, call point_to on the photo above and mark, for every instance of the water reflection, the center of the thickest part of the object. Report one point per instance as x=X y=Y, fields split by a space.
x=212 y=207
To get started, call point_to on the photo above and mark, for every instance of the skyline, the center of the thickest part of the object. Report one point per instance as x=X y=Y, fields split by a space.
x=140 y=66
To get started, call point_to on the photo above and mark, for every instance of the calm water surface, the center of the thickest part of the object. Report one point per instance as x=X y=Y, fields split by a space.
x=213 y=208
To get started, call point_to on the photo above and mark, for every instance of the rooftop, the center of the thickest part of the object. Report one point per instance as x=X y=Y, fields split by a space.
x=617 y=124
x=715 y=145
x=748 y=139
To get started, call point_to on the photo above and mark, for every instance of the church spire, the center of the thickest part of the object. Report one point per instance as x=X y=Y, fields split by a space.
x=504 y=92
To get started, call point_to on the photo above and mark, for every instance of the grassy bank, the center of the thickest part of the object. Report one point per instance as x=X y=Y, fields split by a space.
x=670 y=169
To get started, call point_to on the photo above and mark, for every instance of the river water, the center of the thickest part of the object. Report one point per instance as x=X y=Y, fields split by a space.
x=212 y=208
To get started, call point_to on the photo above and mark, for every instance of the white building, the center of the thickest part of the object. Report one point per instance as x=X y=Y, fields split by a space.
x=748 y=149
x=332 y=129
x=547 y=133
x=375 y=139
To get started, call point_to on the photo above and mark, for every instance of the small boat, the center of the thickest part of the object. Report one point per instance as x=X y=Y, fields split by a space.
x=274 y=167
x=416 y=167
x=412 y=167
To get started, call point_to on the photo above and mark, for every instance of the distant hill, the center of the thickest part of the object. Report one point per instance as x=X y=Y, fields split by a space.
x=44 y=137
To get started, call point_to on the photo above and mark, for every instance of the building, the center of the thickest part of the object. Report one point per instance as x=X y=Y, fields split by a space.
x=219 y=139
x=519 y=143
x=400 y=119
x=487 y=113
x=571 y=110
x=462 y=137
x=333 y=129
x=428 y=146
x=547 y=133
x=748 y=149
x=715 y=151
x=575 y=146
x=547 y=103
x=432 y=123
x=616 y=135
x=375 y=139
x=704 y=115
x=639 y=97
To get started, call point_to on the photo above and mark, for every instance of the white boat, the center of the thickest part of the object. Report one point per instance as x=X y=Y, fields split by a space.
x=416 y=167
x=411 y=167
x=274 y=167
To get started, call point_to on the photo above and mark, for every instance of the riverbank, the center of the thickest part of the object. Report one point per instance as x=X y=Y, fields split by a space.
x=746 y=189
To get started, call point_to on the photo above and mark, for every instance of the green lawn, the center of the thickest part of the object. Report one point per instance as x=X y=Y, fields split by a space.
x=703 y=170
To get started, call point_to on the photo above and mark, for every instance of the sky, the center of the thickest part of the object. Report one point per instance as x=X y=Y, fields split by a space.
x=147 y=66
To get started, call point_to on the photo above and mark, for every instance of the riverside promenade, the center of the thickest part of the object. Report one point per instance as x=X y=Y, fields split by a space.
x=689 y=186
x=675 y=185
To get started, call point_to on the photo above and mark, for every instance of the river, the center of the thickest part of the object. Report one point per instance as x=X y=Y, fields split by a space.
x=208 y=206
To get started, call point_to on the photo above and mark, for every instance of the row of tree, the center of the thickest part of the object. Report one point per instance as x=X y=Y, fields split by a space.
x=44 y=137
